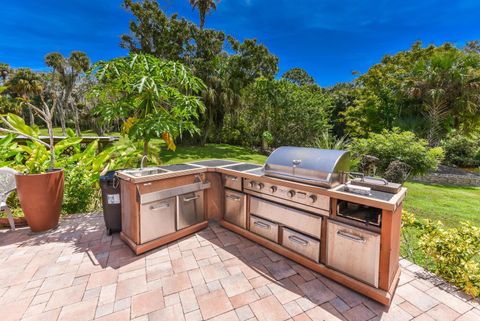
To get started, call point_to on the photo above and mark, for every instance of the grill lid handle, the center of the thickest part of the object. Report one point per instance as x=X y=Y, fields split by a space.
x=296 y=162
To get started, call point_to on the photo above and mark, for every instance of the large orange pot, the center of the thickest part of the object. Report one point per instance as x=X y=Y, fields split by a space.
x=41 y=197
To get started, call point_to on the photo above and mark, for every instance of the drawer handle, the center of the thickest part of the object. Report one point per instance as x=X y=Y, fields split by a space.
x=351 y=236
x=159 y=207
x=262 y=225
x=232 y=197
x=232 y=178
x=185 y=199
x=298 y=240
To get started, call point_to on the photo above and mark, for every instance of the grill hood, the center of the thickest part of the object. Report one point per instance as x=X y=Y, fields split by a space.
x=321 y=167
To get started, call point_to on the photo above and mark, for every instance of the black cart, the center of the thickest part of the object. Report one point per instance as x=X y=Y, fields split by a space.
x=112 y=207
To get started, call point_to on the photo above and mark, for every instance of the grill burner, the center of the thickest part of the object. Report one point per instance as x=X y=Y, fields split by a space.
x=214 y=162
x=321 y=167
x=178 y=167
x=242 y=167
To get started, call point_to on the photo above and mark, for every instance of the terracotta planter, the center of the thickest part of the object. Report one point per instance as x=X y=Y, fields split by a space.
x=41 y=197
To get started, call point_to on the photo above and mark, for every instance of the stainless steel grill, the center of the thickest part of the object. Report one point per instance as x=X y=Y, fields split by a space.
x=321 y=167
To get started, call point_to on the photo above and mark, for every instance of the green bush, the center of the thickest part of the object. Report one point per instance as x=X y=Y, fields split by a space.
x=80 y=193
x=397 y=145
x=452 y=253
x=461 y=150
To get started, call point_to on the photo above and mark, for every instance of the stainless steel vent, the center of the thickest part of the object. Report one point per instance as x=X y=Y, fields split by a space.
x=321 y=167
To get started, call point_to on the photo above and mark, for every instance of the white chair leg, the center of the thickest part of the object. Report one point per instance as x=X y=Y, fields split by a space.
x=10 y=218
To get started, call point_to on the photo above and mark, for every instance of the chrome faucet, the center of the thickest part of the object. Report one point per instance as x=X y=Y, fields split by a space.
x=141 y=162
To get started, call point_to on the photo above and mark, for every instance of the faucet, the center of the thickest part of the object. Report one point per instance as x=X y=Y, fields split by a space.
x=141 y=162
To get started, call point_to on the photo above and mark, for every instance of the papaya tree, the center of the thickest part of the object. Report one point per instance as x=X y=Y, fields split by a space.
x=154 y=98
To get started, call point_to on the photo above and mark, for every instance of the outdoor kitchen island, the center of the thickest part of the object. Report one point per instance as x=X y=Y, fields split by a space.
x=351 y=238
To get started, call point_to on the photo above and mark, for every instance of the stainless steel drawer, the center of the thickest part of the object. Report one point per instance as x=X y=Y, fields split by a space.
x=190 y=209
x=157 y=219
x=232 y=181
x=353 y=251
x=236 y=208
x=301 y=244
x=264 y=228
x=301 y=221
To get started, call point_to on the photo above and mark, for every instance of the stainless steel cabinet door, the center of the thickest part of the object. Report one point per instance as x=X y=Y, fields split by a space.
x=354 y=251
x=235 y=208
x=190 y=209
x=157 y=219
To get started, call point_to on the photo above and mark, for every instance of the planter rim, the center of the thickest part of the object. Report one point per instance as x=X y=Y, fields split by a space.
x=54 y=171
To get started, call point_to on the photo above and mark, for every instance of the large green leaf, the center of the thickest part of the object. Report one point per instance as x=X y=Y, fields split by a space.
x=18 y=123
x=65 y=143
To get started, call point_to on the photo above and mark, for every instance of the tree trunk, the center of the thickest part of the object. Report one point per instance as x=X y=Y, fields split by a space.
x=62 y=116
x=32 y=116
x=78 y=132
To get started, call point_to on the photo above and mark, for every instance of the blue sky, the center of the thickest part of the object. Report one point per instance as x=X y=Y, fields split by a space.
x=329 y=39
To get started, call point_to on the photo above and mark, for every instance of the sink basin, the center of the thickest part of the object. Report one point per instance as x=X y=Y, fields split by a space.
x=145 y=172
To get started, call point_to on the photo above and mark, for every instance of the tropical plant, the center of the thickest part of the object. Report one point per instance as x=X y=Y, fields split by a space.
x=26 y=85
x=327 y=141
x=397 y=145
x=156 y=98
x=42 y=154
x=68 y=70
x=204 y=7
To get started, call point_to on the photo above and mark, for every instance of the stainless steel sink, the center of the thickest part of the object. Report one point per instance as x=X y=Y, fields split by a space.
x=145 y=172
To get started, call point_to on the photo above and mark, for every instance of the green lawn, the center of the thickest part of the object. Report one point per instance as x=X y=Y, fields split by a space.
x=449 y=204
x=192 y=153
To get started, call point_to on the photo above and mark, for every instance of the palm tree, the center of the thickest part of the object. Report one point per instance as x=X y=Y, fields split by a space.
x=25 y=84
x=68 y=71
x=204 y=7
x=4 y=71
x=447 y=85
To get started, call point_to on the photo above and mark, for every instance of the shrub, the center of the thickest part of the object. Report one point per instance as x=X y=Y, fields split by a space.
x=461 y=150
x=80 y=192
x=452 y=253
x=397 y=145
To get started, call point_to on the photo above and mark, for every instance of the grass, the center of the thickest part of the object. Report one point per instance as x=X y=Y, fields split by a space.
x=185 y=154
x=449 y=204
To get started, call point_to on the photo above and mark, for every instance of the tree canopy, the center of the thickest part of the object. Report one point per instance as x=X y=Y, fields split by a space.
x=156 y=97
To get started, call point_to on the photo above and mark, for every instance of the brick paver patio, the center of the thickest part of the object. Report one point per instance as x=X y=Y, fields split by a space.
x=77 y=272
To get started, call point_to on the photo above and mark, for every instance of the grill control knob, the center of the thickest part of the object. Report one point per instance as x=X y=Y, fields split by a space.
x=273 y=189
x=291 y=193
x=260 y=186
x=312 y=198
x=252 y=184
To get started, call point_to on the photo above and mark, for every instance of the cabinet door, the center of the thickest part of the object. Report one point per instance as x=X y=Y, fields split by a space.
x=157 y=219
x=353 y=251
x=190 y=209
x=235 y=208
